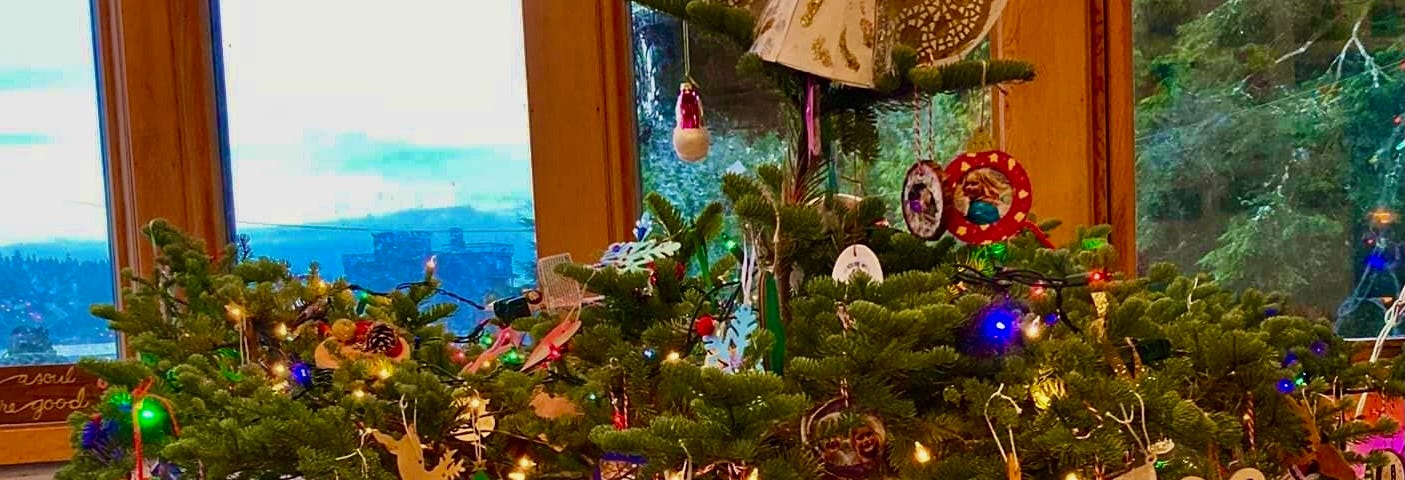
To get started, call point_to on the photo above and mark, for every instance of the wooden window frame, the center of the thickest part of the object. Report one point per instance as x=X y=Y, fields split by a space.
x=162 y=138
x=1084 y=173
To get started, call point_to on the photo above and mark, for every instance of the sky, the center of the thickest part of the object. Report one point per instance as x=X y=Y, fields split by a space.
x=337 y=109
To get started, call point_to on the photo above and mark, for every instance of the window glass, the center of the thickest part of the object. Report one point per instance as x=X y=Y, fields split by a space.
x=55 y=259
x=1269 y=147
x=747 y=123
x=368 y=137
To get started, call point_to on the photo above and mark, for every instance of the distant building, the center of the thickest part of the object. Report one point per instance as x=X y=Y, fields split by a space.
x=473 y=270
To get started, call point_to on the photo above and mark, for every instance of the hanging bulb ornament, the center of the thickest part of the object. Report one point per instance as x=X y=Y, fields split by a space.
x=690 y=137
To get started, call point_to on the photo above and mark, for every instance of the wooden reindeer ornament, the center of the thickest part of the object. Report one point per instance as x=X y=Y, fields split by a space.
x=409 y=455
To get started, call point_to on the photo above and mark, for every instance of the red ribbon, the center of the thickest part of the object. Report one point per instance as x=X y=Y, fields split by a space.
x=1039 y=234
x=139 y=396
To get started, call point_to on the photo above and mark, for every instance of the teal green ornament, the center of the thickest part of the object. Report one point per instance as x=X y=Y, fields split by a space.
x=1093 y=243
x=480 y=475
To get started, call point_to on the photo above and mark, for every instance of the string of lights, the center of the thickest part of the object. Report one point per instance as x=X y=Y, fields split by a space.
x=1039 y=284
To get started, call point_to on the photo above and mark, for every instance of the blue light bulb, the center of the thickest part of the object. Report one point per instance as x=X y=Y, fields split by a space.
x=1377 y=261
x=1286 y=386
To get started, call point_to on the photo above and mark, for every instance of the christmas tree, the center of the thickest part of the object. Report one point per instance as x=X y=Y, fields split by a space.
x=699 y=351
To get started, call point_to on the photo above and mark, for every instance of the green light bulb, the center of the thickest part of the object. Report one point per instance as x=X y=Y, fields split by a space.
x=513 y=358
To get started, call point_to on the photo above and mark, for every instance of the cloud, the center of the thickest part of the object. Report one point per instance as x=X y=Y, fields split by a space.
x=23 y=138
x=33 y=78
x=337 y=109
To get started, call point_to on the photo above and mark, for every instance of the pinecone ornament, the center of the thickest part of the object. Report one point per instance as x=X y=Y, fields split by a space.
x=381 y=339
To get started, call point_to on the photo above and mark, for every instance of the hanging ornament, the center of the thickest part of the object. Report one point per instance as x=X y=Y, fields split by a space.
x=857 y=258
x=1321 y=453
x=924 y=201
x=990 y=198
x=1147 y=469
x=924 y=196
x=1378 y=406
x=549 y=406
x=858 y=453
x=474 y=423
x=1046 y=390
x=690 y=137
x=1011 y=457
x=619 y=403
x=551 y=346
x=989 y=195
x=705 y=325
x=725 y=350
x=637 y=256
x=409 y=456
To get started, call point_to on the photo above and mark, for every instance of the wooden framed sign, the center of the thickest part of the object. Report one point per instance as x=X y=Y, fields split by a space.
x=45 y=394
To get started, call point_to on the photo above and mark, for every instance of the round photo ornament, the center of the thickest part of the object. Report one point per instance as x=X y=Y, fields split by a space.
x=858 y=453
x=924 y=201
x=989 y=198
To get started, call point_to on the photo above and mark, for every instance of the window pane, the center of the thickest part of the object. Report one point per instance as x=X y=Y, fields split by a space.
x=370 y=136
x=747 y=122
x=1269 y=147
x=55 y=259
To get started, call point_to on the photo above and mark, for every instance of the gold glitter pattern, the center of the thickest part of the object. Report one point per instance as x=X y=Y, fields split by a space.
x=812 y=8
x=850 y=60
x=820 y=53
x=866 y=27
x=942 y=29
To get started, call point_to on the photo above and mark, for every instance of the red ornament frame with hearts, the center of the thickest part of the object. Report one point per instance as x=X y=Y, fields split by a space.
x=1015 y=219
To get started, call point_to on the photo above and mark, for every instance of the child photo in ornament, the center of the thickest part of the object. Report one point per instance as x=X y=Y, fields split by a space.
x=984 y=197
x=923 y=202
x=853 y=454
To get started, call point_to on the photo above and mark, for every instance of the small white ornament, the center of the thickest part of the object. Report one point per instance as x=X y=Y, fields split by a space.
x=857 y=258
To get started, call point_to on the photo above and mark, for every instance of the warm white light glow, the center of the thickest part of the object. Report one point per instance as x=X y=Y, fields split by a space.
x=921 y=453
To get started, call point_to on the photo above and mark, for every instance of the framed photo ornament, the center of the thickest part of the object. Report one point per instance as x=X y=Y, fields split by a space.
x=989 y=198
x=924 y=201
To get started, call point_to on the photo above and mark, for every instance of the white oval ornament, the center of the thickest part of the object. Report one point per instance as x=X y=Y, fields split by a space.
x=857 y=258
x=924 y=201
